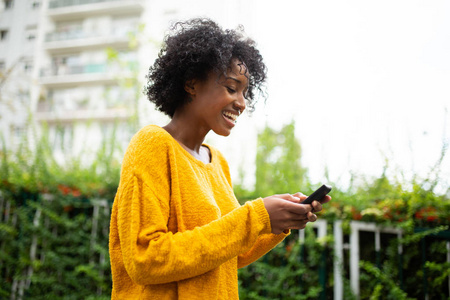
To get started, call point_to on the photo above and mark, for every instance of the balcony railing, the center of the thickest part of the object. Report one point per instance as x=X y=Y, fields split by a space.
x=62 y=70
x=58 y=36
x=70 y=76
x=72 y=70
x=65 y=3
x=63 y=10
x=83 y=115
x=71 y=103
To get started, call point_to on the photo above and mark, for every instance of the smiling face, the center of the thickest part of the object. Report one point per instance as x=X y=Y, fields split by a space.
x=218 y=100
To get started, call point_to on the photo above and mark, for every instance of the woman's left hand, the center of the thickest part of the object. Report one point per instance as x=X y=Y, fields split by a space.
x=316 y=205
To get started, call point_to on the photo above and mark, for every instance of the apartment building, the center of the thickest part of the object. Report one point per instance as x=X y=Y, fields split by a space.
x=56 y=68
x=83 y=66
x=84 y=57
x=18 y=36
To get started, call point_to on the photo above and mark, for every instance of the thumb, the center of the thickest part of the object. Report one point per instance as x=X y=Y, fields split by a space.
x=292 y=198
x=301 y=196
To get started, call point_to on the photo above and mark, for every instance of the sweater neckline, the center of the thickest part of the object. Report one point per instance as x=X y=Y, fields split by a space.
x=189 y=155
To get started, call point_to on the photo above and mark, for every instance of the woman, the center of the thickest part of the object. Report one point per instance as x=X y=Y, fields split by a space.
x=177 y=230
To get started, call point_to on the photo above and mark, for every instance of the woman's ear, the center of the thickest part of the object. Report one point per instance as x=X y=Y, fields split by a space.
x=189 y=87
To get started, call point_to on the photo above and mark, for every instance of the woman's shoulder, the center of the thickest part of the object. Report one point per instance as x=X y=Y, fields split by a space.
x=151 y=136
x=147 y=154
x=152 y=133
x=150 y=139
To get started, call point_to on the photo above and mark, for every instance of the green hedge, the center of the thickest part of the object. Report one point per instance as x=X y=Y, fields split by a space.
x=53 y=247
x=70 y=259
x=53 y=227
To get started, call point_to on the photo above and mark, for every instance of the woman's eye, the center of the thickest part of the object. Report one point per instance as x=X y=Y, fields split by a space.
x=230 y=90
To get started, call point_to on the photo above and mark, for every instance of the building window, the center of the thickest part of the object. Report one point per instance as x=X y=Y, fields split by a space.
x=35 y=4
x=28 y=67
x=3 y=35
x=30 y=33
x=8 y=4
x=31 y=36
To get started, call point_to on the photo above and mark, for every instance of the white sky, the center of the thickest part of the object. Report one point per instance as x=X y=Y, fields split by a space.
x=364 y=80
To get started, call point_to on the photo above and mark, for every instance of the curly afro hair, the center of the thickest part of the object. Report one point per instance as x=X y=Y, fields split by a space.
x=195 y=49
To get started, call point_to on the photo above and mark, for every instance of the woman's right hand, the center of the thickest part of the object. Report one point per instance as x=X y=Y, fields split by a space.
x=286 y=212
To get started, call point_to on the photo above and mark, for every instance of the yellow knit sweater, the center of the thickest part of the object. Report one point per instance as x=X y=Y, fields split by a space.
x=177 y=230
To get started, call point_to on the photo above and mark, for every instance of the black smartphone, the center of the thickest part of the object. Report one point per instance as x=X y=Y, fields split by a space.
x=318 y=194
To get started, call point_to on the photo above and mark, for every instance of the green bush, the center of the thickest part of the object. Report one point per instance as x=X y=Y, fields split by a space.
x=388 y=201
x=292 y=270
x=53 y=229
x=52 y=250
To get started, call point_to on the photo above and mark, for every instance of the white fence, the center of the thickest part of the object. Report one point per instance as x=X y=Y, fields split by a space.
x=354 y=247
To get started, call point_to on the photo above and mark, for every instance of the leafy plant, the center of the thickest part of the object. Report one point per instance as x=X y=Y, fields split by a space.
x=289 y=271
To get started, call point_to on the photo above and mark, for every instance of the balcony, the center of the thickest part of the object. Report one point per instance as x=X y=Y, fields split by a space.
x=74 y=41
x=82 y=115
x=70 y=108
x=75 y=9
x=68 y=76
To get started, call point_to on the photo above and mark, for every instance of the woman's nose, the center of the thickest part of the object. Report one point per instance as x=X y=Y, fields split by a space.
x=240 y=103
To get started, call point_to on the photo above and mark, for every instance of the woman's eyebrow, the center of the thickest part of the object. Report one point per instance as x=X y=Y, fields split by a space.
x=232 y=78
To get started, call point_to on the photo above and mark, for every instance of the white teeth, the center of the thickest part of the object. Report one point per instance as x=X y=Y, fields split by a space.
x=231 y=116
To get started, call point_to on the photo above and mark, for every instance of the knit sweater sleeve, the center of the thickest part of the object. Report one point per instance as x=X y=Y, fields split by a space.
x=265 y=242
x=151 y=253
x=154 y=255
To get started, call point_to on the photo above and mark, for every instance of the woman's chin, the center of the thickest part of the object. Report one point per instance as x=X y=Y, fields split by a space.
x=223 y=132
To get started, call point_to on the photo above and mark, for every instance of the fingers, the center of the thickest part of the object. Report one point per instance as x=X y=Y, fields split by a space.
x=307 y=210
x=299 y=224
x=311 y=217
x=301 y=196
x=286 y=211
x=316 y=206
x=297 y=209
x=293 y=198
x=325 y=199
x=296 y=217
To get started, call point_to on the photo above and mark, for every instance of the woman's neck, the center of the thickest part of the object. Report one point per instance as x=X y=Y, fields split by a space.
x=186 y=134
